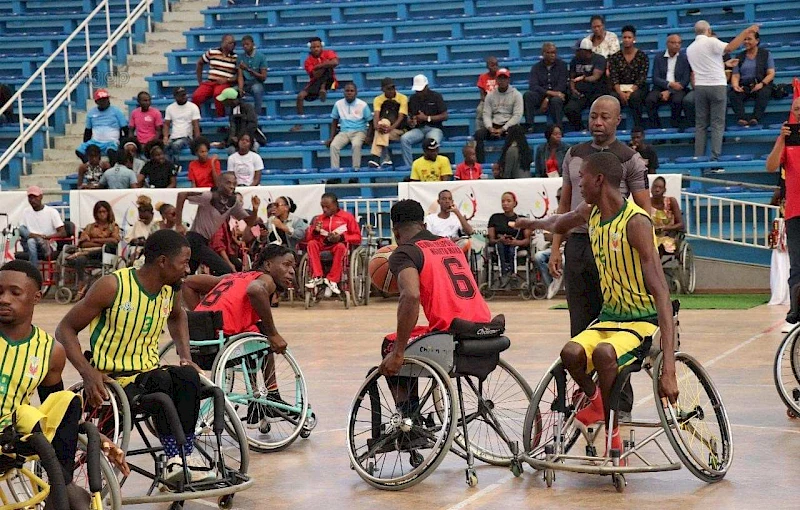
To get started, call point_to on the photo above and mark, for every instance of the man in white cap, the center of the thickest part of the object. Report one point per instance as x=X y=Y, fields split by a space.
x=502 y=111
x=38 y=226
x=105 y=126
x=587 y=81
x=426 y=112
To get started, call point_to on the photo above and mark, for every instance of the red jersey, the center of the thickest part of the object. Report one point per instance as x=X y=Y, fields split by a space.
x=312 y=61
x=230 y=297
x=790 y=160
x=468 y=173
x=446 y=285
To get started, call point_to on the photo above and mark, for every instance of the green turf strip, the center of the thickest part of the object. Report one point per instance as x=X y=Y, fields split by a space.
x=711 y=301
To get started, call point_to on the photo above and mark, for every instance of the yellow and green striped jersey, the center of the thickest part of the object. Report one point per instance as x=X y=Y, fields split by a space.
x=625 y=295
x=124 y=337
x=23 y=366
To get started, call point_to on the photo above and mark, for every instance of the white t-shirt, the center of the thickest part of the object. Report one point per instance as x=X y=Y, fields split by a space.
x=180 y=117
x=245 y=167
x=449 y=227
x=45 y=222
x=705 y=58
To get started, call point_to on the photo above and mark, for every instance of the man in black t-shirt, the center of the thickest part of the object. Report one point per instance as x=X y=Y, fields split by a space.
x=647 y=152
x=587 y=82
x=159 y=172
x=426 y=112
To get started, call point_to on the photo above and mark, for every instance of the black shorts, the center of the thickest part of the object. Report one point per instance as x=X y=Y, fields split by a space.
x=313 y=88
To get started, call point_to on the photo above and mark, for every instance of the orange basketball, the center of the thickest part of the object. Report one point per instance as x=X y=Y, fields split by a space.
x=379 y=273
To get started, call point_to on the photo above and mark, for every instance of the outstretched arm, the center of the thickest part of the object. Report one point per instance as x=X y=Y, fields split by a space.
x=259 y=292
x=557 y=223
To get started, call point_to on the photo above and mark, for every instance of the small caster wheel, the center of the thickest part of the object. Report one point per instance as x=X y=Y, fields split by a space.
x=305 y=433
x=549 y=477
x=63 y=295
x=472 y=477
x=176 y=505
x=416 y=458
x=591 y=451
x=619 y=482
x=225 y=502
x=791 y=414
x=516 y=468
x=486 y=291
x=264 y=427
x=311 y=422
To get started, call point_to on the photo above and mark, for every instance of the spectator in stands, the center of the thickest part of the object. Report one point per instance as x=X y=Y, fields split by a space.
x=6 y=93
x=121 y=175
x=253 y=66
x=469 y=169
x=449 y=222
x=547 y=88
x=222 y=73
x=184 y=119
x=431 y=167
x=426 y=113
x=671 y=75
x=487 y=82
x=169 y=218
x=542 y=260
x=550 y=155
x=284 y=227
x=144 y=226
x=710 y=85
x=90 y=173
x=627 y=71
x=390 y=110
x=507 y=239
x=203 y=171
x=320 y=66
x=502 y=112
x=243 y=120
x=146 y=122
x=586 y=82
x=334 y=230
x=38 y=226
x=666 y=215
x=105 y=126
x=647 y=151
x=604 y=43
x=132 y=148
x=752 y=79
x=223 y=244
x=92 y=243
x=245 y=164
x=515 y=157
x=158 y=172
x=351 y=117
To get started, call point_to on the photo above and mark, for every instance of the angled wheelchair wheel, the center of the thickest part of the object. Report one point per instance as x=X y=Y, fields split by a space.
x=495 y=414
x=686 y=269
x=233 y=442
x=359 y=280
x=113 y=417
x=267 y=392
x=697 y=424
x=391 y=447
x=787 y=372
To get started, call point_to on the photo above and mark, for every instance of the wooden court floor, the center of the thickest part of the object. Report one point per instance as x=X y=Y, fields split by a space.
x=336 y=347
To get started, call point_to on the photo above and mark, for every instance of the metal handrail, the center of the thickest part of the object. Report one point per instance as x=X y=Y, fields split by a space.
x=747 y=223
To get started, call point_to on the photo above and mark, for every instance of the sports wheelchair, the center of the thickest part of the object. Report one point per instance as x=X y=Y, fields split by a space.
x=354 y=259
x=525 y=279
x=696 y=426
x=786 y=370
x=483 y=417
x=679 y=266
x=67 y=280
x=266 y=391
x=48 y=262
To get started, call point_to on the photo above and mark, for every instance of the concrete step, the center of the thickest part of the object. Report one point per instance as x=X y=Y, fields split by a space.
x=62 y=155
x=68 y=142
x=48 y=182
x=167 y=40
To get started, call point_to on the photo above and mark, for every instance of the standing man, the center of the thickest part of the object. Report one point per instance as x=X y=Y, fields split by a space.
x=547 y=88
x=487 y=82
x=320 y=65
x=351 y=118
x=587 y=82
x=426 y=113
x=181 y=124
x=431 y=167
x=334 y=230
x=671 y=77
x=222 y=73
x=253 y=66
x=710 y=85
x=39 y=225
x=627 y=71
x=390 y=110
x=106 y=125
x=502 y=112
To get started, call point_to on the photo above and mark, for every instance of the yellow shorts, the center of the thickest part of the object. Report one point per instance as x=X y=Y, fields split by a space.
x=625 y=343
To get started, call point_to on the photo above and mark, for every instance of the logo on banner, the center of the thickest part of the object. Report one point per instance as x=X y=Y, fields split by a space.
x=469 y=205
x=541 y=206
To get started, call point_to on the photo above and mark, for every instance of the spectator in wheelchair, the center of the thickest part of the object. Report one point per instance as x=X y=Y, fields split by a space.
x=666 y=215
x=126 y=312
x=245 y=302
x=334 y=230
x=635 y=293
x=144 y=226
x=506 y=239
x=39 y=225
x=38 y=365
x=169 y=218
x=284 y=227
x=91 y=244
x=449 y=222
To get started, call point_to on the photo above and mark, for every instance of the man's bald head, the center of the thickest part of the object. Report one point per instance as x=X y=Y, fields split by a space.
x=606 y=103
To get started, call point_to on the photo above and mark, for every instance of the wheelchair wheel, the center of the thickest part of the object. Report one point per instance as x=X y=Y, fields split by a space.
x=233 y=443
x=541 y=418
x=686 y=269
x=113 y=417
x=495 y=414
x=787 y=371
x=697 y=424
x=359 y=280
x=486 y=291
x=63 y=295
x=111 y=497
x=267 y=392
x=392 y=448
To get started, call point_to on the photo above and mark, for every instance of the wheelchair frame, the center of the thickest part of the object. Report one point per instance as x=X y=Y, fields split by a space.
x=786 y=372
x=530 y=289
x=679 y=268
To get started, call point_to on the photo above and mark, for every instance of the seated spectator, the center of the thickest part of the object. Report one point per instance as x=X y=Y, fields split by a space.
x=550 y=155
x=222 y=73
x=502 y=112
x=181 y=124
x=647 y=151
x=144 y=226
x=91 y=244
x=752 y=79
x=284 y=227
x=515 y=158
x=169 y=218
x=604 y=43
x=105 y=126
x=132 y=148
x=90 y=173
x=487 y=82
x=469 y=169
x=223 y=244
x=426 y=113
x=547 y=88
x=334 y=230
x=431 y=166
x=320 y=66
x=351 y=117
x=507 y=239
x=121 y=175
x=145 y=124
x=203 y=171
x=158 y=172
x=671 y=76
x=245 y=164
x=390 y=110
x=627 y=70
x=587 y=82
x=666 y=215
x=449 y=222
x=253 y=66
x=242 y=120
x=38 y=226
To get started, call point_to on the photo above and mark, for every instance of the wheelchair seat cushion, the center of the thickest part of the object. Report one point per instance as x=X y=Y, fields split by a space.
x=467 y=330
x=483 y=347
x=204 y=325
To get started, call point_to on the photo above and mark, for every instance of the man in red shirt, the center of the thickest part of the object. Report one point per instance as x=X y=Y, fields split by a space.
x=487 y=82
x=319 y=65
x=333 y=230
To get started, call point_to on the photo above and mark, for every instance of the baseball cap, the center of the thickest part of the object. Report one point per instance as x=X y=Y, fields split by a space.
x=585 y=44
x=229 y=93
x=503 y=72
x=100 y=94
x=430 y=144
x=178 y=91
x=420 y=82
x=35 y=191
x=387 y=82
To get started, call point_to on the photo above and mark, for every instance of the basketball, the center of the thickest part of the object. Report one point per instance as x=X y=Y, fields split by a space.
x=379 y=273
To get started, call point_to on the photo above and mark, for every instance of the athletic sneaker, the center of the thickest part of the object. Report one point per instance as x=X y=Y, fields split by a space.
x=387 y=162
x=554 y=287
x=787 y=327
x=198 y=468
x=174 y=469
x=333 y=286
x=314 y=282
x=374 y=164
x=273 y=414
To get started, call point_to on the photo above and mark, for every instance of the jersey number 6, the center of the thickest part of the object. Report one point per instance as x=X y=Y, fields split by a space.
x=462 y=283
